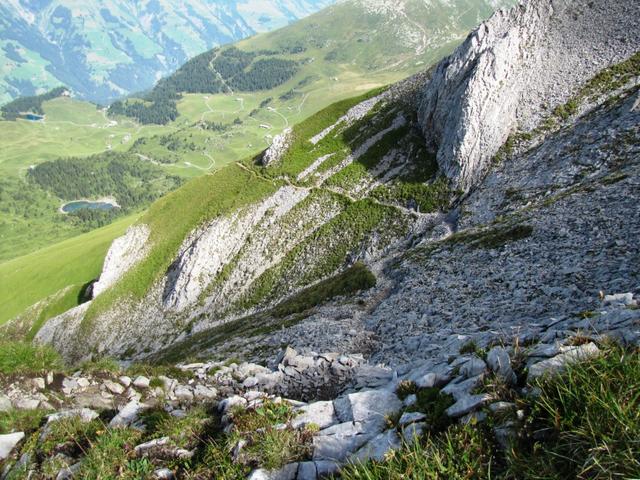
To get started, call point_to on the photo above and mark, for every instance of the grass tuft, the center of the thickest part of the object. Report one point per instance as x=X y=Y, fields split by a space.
x=589 y=419
x=26 y=358
x=461 y=453
x=21 y=420
x=354 y=279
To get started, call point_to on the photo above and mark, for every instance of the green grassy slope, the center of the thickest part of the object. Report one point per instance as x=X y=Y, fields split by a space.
x=74 y=262
x=177 y=214
x=71 y=128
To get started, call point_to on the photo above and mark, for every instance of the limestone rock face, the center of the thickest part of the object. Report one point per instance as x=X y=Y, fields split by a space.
x=512 y=69
x=125 y=252
x=8 y=442
x=278 y=147
x=205 y=252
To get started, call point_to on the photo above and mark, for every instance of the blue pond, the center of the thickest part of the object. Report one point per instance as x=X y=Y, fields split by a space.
x=33 y=117
x=80 y=204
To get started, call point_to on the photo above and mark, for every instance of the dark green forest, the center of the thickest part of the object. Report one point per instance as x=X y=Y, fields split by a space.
x=121 y=175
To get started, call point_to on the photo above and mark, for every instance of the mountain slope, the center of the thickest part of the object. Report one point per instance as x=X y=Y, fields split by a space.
x=464 y=330
x=339 y=52
x=353 y=39
x=103 y=50
x=356 y=182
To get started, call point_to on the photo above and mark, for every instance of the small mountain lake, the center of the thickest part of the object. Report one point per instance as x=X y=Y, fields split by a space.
x=33 y=117
x=80 y=204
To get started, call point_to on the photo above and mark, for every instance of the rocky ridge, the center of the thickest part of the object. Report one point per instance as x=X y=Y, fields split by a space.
x=513 y=70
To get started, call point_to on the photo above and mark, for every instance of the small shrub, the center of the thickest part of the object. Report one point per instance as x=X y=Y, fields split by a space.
x=154 y=419
x=354 y=279
x=217 y=463
x=111 y=455
x=156 y=382
x=101 y=365
x=433 y=403
x=272 y=448
x=268 y=414
x=185 y=432
x=406 y=388
x=472 y=347
x=70 y=436
x=21 y=420
x=492 y=238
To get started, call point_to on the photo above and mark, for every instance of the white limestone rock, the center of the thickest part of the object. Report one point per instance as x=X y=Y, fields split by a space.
x=8 y=442
x=123 y=254
x=467 y=404
x=619 y=298
x=288 y=472
x=512 y=69
x=113 y=387
x=321 y=414
x=377 y=447
x=278 y=148
x=127 y=415
x=84 y=414
x=558 y=363
x=141 y=382
x=500 y=362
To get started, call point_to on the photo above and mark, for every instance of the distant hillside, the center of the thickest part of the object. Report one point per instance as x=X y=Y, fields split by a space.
x=105 y=49
x=354 y=38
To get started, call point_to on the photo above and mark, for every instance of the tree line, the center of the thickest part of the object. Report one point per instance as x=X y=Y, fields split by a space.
x=215 y=71
x=12 y=110
x=131 y=181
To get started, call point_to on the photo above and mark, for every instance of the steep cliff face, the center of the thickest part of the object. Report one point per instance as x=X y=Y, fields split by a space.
x=125 y=252
x=514 y=70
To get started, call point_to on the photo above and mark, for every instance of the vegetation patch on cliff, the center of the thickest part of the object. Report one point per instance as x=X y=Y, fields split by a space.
x=326 y=250
x=302 y=152
x=356 y=278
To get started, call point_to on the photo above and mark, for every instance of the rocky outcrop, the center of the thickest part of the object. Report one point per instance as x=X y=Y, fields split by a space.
x=513 y=70
x=354 y=114
x=278 y=147
x=206 y=251
x=345 y=409
x=123 y=254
